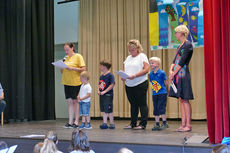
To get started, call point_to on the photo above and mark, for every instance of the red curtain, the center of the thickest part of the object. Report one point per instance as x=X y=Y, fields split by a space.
x=217 y=67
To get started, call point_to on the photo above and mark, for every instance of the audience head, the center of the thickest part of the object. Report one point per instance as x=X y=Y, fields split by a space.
x=48 y=147
x=3 y=145
x=125 y=150
x=222 y=148
x=79 y=141
x=38 y=147
x=52 y=136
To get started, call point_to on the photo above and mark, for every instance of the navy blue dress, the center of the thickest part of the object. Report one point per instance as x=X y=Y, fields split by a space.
x=182 y=79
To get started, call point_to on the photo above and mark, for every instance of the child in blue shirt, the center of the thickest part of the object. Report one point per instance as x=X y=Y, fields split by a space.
x=159 y=87
x=105 y=90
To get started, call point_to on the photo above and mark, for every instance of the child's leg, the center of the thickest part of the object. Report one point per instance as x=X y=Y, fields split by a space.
x=157 y=119
x=111 y=118
x=163 y=117
x=105 y=117
x=77 y=113
x=88 y=119
x=71 y=110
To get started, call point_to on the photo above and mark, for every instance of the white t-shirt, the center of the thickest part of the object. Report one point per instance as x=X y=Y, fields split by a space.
x=84 y=90
x=133 y=65
x=79 y=151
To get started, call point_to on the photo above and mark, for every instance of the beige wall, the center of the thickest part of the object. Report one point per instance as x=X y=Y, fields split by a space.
x=105 y=27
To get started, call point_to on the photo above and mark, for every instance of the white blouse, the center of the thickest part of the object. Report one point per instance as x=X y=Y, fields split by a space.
x=133 y=65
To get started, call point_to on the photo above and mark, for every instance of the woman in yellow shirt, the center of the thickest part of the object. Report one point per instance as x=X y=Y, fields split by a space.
x=72 y=83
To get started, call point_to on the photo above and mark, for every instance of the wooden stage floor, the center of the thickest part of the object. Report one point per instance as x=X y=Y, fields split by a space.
x=148 y=137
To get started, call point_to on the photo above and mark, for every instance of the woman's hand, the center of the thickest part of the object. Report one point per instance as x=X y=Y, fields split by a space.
x=122 y=79
x=171 y=76
x=132 y=77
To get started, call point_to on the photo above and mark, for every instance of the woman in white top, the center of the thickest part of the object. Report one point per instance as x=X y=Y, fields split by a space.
x=137 y=67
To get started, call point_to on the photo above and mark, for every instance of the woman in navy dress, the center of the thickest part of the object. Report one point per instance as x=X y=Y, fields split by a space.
x=179 y=75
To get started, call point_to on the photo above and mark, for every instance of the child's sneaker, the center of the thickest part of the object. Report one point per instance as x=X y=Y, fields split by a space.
x=156 y=128
x=164 y=126
x=88 y=126
x=68 y=126
x=112 y=126
x=104 y=126
x=82 y=126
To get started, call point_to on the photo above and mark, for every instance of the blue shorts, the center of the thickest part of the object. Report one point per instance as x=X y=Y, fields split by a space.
x=159 y=104
x=84 y=108
x=2 y=105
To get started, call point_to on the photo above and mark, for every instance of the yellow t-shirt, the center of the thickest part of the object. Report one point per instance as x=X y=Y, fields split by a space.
x=72 y=78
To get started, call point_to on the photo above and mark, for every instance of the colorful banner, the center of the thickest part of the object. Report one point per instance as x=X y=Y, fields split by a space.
x=193 y=19
x=163 y=22
x=165 y=15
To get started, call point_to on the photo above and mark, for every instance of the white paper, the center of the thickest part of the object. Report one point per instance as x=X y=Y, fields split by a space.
x=174 y=87
x=60 y=64
x=33 y=136
x=122 y=74
x=9 y=150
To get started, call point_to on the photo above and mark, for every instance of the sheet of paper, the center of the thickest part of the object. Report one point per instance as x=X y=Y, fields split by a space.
x=9 y=150
x=174 y=87
x=122 y=74
x=33 y=136
x=60 y=64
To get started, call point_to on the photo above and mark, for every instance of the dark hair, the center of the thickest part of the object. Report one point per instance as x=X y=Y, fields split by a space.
x=71 y=45
x=222 y=148
x=79 y=141
x=106 y=63
x=3 y=145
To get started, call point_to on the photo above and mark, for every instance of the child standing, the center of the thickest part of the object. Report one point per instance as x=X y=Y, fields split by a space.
x=159 y=86
x=84 y=100
x=105 y=90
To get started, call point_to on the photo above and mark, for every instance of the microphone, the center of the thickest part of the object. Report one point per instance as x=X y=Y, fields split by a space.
x=64 y=58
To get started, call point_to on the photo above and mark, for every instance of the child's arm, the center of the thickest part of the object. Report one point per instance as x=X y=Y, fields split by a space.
x=85 y=97
x=2 y=96
x=166 y=84
x=108 y=89
x=98 y=90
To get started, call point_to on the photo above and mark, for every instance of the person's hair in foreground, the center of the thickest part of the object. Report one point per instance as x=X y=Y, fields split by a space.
x=222 y=148
x=3 y=145
x=125 y=150
x=38 y=147
x=79 y=141
x=48 y=147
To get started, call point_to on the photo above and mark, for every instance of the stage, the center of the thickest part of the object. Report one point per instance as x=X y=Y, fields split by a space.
x=167 y=137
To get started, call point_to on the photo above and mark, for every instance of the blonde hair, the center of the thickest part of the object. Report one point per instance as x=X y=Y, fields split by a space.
x=85 y=74
x=125 y=150
x=48 y=147
x=38 y=147
x=183 y=29
x=222 y=148
x=51 y=136
x=135 y=43
x=155 y=59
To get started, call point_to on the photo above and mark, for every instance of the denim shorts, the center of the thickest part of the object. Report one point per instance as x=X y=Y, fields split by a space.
x=159 y=104
x=84 y=108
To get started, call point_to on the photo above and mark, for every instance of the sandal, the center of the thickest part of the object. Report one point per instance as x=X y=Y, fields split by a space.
x=139 y=127
x=186 y=129
x=180 y=128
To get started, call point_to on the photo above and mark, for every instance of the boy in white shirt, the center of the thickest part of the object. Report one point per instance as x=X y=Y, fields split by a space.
x=84 y=100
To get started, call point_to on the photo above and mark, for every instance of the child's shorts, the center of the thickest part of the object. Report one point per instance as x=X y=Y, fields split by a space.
x=84 y=108
x=159 y=104
x=106 y=103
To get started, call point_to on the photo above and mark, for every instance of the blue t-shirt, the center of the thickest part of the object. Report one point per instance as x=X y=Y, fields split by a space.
x=157 y=81
x=105 y=81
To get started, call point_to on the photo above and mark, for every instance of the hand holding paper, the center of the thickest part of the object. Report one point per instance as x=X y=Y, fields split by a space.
x=122 y=74
x=60 y=64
